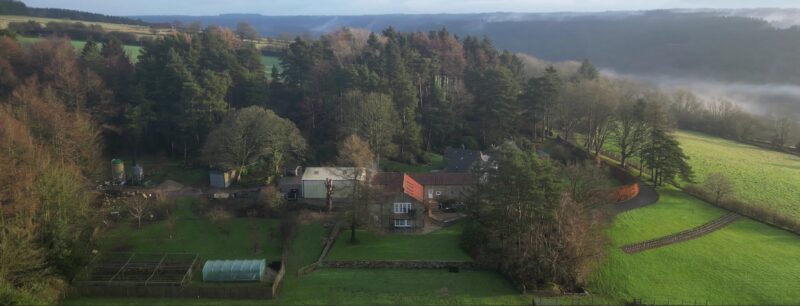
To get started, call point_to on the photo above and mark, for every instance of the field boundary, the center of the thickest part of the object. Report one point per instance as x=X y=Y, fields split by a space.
x=690 y=234
x=399 y=264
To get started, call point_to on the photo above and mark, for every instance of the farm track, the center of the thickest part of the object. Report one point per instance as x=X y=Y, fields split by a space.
x=682 y=236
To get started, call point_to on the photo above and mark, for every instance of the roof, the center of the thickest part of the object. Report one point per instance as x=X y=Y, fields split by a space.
x=234 y=270
x=444 y=178
x=334 y=173
x=461 y=160
x=399 y=182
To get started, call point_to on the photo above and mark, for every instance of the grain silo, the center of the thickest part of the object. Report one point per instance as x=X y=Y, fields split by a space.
x=117 y=171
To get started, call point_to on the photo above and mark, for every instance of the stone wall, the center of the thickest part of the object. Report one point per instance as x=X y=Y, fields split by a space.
x=399 y=264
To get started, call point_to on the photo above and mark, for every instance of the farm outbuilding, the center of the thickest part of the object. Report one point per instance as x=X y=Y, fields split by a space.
x=221 y=179
x=313 y=181
x=235 y=270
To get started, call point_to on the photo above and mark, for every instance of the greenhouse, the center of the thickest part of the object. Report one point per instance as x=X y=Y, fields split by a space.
x=235 y=270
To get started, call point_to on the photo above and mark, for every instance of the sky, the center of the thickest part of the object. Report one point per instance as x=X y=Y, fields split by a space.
x=365 y=7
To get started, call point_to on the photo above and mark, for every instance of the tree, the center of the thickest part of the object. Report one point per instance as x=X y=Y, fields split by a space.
x=251 y=135
x=585 y=181
x=631 y=128
x=139 y=207
x=719 y=186
x=354 y=152
x=587 y=71
x=371 y=116
x=666 y=159
x=247 y=31
x=497 y=106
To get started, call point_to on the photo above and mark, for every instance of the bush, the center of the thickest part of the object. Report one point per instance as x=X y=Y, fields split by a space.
x=473 y=238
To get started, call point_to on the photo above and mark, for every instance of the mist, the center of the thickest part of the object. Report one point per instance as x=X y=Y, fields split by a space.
x=763 y=99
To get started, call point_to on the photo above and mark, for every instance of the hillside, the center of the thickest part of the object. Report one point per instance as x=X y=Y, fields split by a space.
x=722 y=45
x=13 y=7
x=760 y=176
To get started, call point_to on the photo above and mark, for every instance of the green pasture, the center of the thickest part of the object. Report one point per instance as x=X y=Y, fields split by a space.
x=746 y=262
x=760 y=176
x=132 y=51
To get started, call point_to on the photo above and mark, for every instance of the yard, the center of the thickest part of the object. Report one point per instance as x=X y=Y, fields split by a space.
x=241 y=238
x=760 y=176
x=442 y=244
x=745 y=263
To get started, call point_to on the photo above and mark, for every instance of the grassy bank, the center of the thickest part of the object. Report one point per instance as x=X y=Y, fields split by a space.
x=747 y=262
x=760 y=176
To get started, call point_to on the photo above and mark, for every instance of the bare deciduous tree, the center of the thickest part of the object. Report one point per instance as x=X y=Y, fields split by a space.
x=719 y=186
x=139 y=207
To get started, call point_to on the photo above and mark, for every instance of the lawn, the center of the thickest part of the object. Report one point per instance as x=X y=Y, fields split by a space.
x=438 y=245
x=132 y=51
x=435 y=162
x=745 y=263
x=247 y=238
x=761 y=176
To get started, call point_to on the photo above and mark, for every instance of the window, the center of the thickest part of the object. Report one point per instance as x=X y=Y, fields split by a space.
x=402 y=223
x=430 y=194
x=438 y=193
x=402 y=208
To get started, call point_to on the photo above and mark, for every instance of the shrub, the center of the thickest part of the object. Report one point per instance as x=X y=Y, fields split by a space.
x=473 y=238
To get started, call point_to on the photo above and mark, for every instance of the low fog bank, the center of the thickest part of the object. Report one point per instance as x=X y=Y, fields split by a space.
x=763 y=99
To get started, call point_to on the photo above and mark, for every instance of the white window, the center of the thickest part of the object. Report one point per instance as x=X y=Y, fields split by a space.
x=430 y=193
x=402 y=208
x=402 y=223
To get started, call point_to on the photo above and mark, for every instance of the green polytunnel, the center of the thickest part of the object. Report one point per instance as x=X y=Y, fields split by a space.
x=235 y=270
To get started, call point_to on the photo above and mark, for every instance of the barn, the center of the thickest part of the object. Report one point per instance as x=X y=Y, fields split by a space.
x=313 y=181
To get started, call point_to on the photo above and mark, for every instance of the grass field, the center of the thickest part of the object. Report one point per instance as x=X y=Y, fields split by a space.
x=745 y=263
x=194 y=234
x=132 y=51
x=128 y=28
x=269 y=62
x=761 y=176
x=439 y=245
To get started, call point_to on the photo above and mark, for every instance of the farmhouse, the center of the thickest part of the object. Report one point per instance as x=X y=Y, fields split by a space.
x=462 y=160
x=406 y=209
x=441 y=187
x=313 y=181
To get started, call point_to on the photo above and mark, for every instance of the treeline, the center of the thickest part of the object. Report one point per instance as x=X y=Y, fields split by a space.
x=51 y=154
x=73 y=30
x=726 y=119
x=18 y=8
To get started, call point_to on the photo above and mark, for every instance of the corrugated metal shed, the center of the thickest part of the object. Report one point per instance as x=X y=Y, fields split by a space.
x=313 y=181
x=235 y=270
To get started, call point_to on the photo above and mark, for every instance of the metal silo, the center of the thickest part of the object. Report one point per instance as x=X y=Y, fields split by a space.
x=118 y=171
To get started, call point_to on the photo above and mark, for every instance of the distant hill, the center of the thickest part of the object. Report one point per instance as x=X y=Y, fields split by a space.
x=13 y=7
x=751 y=46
